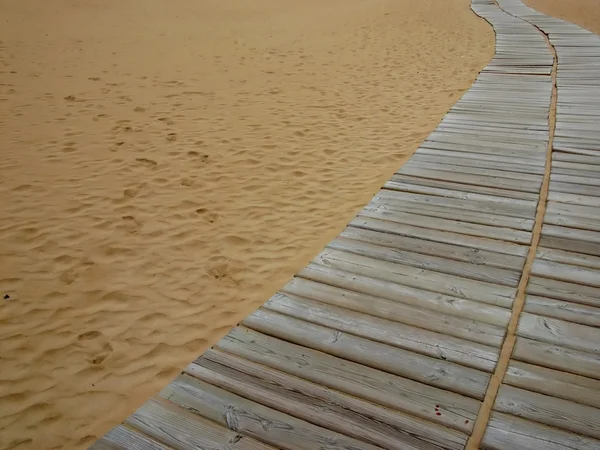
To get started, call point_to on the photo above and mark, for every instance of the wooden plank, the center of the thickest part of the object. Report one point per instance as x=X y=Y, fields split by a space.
x=383 y=212
x=442 y=264
x=467 y=176
x=181 y=429
x=573 y=188
x=456 y=252
x=571 y=233
x=321 y=412
x=444 y=304
x=462 y=200
x=124 y=438
x=565 y=220
x=554 y=383
x=251 y=418
x=419 y=278
x=499 y=202
x=557 y=357
x=434 y=345
x=432 y=371
x=452 y=172
x=559 y=309
x=566 y=272
x=452 y=213
x=299 y=288
x=582 y=200
x=562 y=290
x=484 y=151
x=477 y=160
x=571 y=245
x=563 y=414
x=464 y=240
x=466 y=187
x=577 y=259
x=360 y=381
x=405 y=429
x=573 y=210
x=507 y=432
x=559 y=332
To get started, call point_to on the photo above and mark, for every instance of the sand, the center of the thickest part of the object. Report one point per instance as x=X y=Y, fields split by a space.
x=585 y=13
x=168 y=165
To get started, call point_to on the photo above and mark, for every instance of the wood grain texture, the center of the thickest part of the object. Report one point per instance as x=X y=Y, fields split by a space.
x=444 y=304
x=507 y=432
x=182 y=430
x=557 y=357
x=560 y=332
x=252 y=419
x=124 y=438
x=403 y=427
x=554 y=383
x=410 y=397
x=318 y=411
x=493 y=294
x=552 y=411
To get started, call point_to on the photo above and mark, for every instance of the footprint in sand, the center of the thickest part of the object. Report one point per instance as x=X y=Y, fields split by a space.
x=95 y=345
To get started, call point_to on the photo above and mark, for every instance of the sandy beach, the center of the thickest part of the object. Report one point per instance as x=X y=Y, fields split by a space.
x=585 y=13
x=167 y=165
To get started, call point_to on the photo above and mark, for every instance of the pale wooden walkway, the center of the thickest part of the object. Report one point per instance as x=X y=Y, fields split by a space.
x=390 y=336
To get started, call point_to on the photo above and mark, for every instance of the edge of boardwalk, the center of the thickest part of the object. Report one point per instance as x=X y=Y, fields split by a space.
x=390 y=336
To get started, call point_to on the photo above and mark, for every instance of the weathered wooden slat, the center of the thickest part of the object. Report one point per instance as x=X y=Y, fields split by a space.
x=460 y=199
x=570 y=245
x=452 y=213
x=182 y=430
x=459 y=327
x=499 y=202
x=454 y=226
x=403 y=428
x=360 y=381
x=566 y=272
x=432 y=371
x=321 y=412
x=456 y=252
x=419 y=278
x=562 y=290
x=452 y=185
x=554 y=383
x=564 y=414
x=442 y=264
x=468 y=176
x=507 y=432
x=124 y=438
x=440 y=236
x=444 y=304
x=250 y=418
x=559 y=332
x=582 y=200
x=557 y=357
x=577 y=259
x=435 y=345
x=571 y=233
x=475 y=160
x=560 y=309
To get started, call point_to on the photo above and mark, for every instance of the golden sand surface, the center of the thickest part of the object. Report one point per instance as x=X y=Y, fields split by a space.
x=585 y=13
x=167 y=165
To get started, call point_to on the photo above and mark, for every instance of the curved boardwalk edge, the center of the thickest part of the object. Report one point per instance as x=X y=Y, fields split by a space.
x=389 y=337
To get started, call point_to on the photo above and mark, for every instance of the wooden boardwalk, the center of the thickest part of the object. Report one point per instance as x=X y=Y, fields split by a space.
x=459 y=309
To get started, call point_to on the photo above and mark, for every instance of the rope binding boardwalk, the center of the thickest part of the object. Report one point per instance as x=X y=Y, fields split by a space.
x=458 y=309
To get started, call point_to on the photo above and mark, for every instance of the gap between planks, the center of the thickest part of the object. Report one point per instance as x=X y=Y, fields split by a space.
x=483 y=418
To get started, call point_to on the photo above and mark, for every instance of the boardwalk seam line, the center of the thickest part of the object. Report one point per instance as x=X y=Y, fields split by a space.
x=481 y=423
